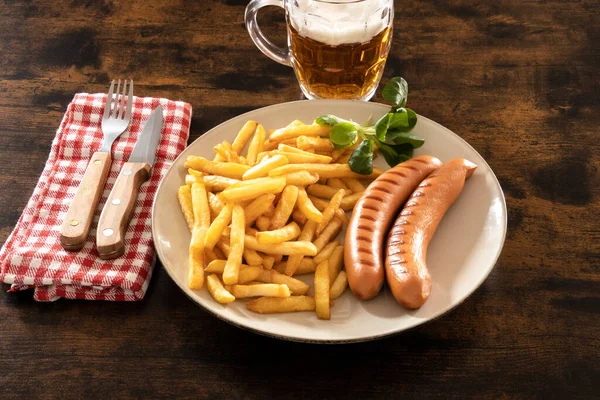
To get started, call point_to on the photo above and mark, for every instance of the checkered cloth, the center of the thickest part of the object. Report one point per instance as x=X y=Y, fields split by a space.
x=32 y=255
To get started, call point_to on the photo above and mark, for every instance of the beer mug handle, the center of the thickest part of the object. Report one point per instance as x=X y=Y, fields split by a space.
x=277 y=53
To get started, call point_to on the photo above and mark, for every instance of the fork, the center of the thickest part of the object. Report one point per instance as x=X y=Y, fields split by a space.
x=115 y=120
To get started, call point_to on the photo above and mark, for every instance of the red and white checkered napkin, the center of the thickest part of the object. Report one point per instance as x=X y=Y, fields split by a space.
x=32 y=255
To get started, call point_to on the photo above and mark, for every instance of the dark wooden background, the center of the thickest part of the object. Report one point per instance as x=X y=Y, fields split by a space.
x=519 y=80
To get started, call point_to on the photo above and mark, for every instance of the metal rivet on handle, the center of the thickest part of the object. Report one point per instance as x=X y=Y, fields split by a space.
x=127 y=172
x=108 y=232
x=97 y=162
x=116 y=202
x=86 y=191
x=74 y=222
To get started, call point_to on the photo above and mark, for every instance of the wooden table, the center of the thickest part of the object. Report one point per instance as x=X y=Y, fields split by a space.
x=519 y=80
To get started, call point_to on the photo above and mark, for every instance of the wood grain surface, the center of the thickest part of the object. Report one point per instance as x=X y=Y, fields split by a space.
x=519 y=80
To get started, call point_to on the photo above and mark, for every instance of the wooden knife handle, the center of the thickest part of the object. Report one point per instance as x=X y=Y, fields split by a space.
x=118 y=209
x=77 y=222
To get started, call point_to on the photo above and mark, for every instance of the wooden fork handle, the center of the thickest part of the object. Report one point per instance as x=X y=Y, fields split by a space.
x=118 y=209
x=77 y=222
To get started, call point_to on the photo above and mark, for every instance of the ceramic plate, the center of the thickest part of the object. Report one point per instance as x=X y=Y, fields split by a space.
x=460 y=257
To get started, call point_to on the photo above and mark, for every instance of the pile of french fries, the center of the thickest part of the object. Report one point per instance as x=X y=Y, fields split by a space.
x=260 y=220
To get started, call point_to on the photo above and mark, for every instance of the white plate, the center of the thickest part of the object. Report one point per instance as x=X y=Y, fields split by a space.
x=460 y=257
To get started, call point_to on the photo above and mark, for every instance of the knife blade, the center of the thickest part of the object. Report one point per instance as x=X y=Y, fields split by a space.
x=121 y=201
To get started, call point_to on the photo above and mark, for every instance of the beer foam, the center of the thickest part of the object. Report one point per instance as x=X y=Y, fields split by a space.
x=342 y=21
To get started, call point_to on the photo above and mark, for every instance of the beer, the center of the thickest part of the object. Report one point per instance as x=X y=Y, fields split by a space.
x=337 y=48
x=344 y=71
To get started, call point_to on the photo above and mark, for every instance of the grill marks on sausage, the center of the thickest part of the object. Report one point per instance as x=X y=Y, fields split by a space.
x=419 y=160
x=388 y=180
x=382 y=189
x=369 y=217
x=368 y=228
x=394 y=251
x=397 y=232
x=373 y=197
x=366 y=261
x=370 y=207
x=396 y=173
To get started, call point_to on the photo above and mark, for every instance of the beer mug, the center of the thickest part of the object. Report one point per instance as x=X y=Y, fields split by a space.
x=337 y=48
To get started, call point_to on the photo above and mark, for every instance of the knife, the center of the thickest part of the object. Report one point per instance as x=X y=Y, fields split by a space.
x=121 y=201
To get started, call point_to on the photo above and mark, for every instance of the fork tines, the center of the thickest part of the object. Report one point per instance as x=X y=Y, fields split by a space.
x=118 y=110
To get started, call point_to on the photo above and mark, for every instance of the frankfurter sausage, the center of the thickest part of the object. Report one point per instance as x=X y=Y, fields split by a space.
x=405 y=263
x=372 y=217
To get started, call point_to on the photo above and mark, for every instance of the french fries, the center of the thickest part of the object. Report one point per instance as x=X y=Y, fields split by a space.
x=272 y=305
x=256 y=144
x=329 y=212
x=274 y=185
x=296 y=286
x=217 y=291
x=308 y=233
x=243 y=136
x=264 y=289
x=226 y=169
x=218 y=183
x=297 y=158
x=338 y=286
x=252 y=257
x=213 y=234
x=306 y=266
x=348 y=202
x=215 y=204
x=263 y=216
x=215 y=267
x=285 y=206
x=263 y=222
x=201 y=214
x=322 y=205
x=249 y=274
x=304 y=248
x=268 y=262
x=184 y=195
x=314 y=143
x=290 y=132
x=337 y=183
x=322 y=191
x=299 y=217
x=326 y=252
x=281 y=235
x=210 y=255
x=307 y=207
x=354 y=184
x=331 y=231
x=258 y=207
x=236 y=242
x=322 y=291
x=264 y=167
x=300 y=178
x=336 y=262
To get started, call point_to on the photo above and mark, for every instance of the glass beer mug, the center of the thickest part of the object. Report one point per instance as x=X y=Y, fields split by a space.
x=337 y=48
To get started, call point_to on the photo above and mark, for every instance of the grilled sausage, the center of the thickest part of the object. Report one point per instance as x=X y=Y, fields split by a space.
x=372 y=217
x=405 y=264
